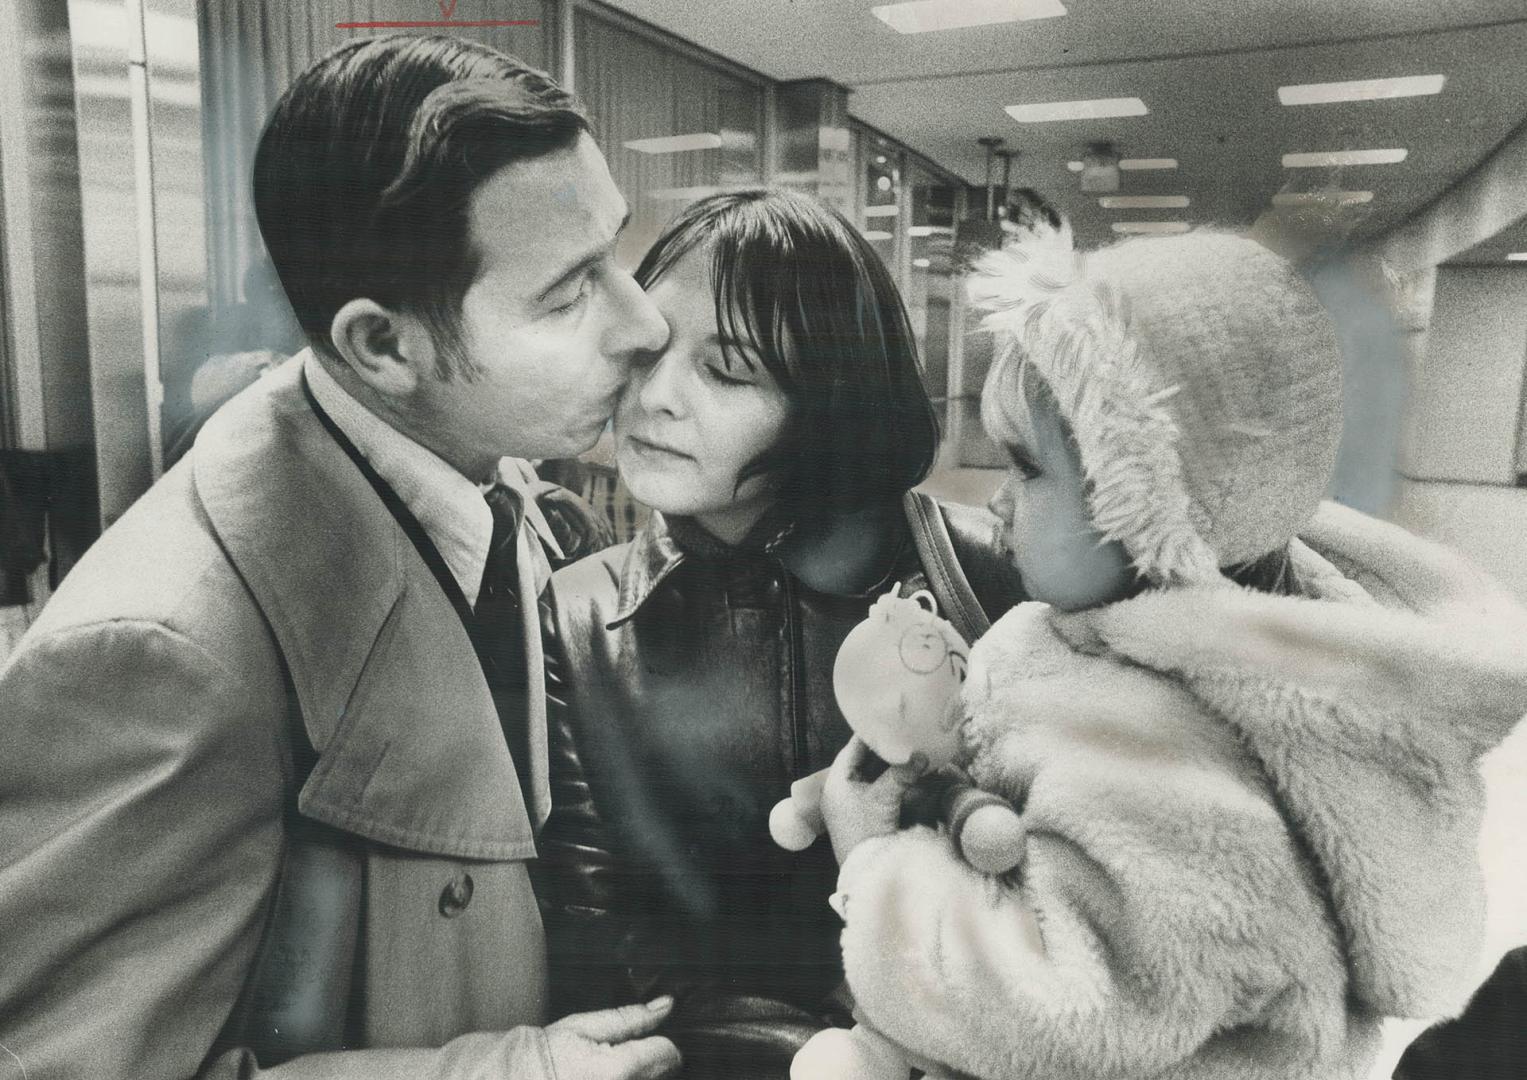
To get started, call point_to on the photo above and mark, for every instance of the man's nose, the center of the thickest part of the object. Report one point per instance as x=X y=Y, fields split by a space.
x=639 y=326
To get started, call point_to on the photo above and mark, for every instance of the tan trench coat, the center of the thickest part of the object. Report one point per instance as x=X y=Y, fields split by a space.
x=147 y=775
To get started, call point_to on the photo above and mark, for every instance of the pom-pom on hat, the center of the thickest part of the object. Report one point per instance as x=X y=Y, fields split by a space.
x=1201 y=379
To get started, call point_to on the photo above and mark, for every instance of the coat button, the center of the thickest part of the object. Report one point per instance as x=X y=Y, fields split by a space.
x=456 y=895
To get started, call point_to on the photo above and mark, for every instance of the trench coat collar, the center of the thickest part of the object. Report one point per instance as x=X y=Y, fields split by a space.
x=410 y=748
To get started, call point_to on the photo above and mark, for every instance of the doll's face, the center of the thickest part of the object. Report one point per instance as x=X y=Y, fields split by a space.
x=1045 y=509
x=896 y=678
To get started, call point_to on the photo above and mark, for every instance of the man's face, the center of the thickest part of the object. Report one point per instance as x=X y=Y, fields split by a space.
x=550 y=324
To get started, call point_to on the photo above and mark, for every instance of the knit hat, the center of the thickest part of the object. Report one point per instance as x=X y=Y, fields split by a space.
x=1201 y=379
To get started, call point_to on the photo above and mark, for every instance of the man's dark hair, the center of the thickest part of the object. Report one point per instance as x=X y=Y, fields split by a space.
x=792 y=277
x=366 y=169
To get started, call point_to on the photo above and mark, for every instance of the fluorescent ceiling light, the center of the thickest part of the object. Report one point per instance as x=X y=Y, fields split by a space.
x=1344 y=157
x=889 y=210
x=929 y=230
x=1143 y=202
x=1132 y=164
x=923 y=16
x=1150 y=226
x=1361 y=90
x=877 y=234
x=922 y=264
x=1095 y=109
x=1517 y=256
x=1307 y=198
x=674 y=144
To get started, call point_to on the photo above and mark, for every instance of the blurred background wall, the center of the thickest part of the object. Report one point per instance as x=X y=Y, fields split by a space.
x=135 y=290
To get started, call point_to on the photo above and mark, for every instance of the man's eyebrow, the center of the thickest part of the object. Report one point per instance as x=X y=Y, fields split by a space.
x=585 y=261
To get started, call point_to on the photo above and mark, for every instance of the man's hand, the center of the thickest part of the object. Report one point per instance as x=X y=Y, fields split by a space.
x=856 y=807
x=604 y=1045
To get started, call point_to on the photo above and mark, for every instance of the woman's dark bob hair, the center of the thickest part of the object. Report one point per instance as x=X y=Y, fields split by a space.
x=795 y=280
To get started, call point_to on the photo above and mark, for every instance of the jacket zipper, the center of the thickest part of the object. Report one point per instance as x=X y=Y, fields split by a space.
x=795 y=649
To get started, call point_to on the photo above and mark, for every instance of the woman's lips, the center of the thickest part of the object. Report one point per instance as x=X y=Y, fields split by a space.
x=650 y=448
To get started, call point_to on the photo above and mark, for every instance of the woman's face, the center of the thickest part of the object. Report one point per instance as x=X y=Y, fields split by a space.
x=1046 y=514
x=687 y=424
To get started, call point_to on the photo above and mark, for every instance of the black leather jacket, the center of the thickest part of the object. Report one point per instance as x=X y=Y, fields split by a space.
x=689 y=684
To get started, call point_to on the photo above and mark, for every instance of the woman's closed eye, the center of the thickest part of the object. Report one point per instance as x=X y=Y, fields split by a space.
x=727 y=374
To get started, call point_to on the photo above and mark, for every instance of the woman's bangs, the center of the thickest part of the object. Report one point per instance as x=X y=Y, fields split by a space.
x=748 y=276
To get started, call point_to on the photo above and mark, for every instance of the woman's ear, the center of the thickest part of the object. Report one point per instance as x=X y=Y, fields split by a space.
x=390 y=352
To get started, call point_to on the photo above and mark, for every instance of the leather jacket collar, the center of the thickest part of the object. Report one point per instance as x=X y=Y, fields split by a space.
x=653 y=555
x=665 y=544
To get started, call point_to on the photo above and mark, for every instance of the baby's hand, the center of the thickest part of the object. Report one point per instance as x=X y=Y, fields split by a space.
x=856 y=807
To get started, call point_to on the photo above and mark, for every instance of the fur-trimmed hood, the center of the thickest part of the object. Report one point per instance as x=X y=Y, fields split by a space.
x=1369 y=701
x=1200 y=377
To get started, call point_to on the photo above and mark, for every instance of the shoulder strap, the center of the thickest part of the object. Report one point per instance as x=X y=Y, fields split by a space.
x=956 y=599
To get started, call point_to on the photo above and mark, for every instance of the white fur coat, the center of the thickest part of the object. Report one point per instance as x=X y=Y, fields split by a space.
x=1252 y=827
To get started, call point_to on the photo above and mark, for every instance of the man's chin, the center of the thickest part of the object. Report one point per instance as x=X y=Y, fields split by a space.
x=574 y=442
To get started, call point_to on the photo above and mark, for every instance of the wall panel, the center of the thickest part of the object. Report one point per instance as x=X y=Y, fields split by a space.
x=638 y=87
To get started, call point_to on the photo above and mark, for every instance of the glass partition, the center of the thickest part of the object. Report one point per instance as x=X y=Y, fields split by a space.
x=673 y=128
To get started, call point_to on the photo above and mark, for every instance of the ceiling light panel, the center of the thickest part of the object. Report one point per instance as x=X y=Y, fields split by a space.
x=1143 y=202
x=1316 y=198
x=1095 y=109
x=1326 y=158
x=926 y=16
x=1133 y=164
x=1150 y=227
x=1361 y=90
x=676 y=144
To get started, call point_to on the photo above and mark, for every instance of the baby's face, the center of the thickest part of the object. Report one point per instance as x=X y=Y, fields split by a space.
x=1046 y=515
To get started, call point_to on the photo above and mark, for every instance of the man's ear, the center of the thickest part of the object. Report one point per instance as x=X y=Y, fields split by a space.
x=389 y=351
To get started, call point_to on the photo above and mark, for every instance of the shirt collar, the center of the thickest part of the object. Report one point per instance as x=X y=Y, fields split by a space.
x=448 y=505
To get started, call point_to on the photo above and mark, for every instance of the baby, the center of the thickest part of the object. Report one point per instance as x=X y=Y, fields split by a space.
x=1242 y=728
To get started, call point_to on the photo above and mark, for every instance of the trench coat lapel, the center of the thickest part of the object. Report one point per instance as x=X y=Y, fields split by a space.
x=410 y=748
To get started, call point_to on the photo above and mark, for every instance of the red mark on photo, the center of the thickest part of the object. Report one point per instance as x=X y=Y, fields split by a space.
x=447 y=11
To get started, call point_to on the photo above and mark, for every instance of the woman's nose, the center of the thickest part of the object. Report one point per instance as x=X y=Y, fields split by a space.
x=658 y=382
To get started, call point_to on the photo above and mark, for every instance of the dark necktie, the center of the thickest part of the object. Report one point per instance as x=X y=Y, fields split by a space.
x=498 y=632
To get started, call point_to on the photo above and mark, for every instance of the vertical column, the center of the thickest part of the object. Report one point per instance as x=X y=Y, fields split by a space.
x=109 y=130
x=148 y=246
x=566 y=48
x=813 y=143
x=41 y=245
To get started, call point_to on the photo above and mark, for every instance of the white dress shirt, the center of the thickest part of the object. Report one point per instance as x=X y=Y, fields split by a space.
x=450 y=507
